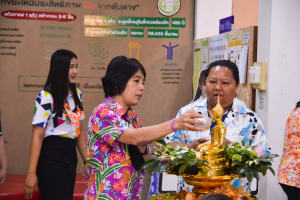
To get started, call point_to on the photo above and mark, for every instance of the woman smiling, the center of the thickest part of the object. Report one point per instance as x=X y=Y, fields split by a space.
x=117 y=142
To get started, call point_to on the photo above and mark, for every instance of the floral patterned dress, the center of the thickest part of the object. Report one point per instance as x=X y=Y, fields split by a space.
x=289 y=169
x=110 y=173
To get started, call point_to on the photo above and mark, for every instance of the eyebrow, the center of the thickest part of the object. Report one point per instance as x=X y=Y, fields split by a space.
x=137 y=76
x=224 y=79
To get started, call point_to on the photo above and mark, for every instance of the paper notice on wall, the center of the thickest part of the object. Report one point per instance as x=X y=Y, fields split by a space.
x=218 y=48
x=204 y=53
x=197 y=64
x=234 y=46
x=246 y=38
x=243 y=64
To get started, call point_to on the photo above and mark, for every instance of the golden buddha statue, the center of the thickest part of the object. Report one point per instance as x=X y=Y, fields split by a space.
x=219 y=131
x=214 y=152
x=217 y=143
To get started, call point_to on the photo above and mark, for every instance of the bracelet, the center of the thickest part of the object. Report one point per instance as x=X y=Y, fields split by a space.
x=172 y=125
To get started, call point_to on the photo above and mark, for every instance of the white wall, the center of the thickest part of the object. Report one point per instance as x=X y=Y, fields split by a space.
x=207 y=16
x=278 y=43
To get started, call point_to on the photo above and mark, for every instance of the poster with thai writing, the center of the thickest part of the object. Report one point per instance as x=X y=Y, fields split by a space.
x=218 y=48
x=96 y=31
x=235 y=46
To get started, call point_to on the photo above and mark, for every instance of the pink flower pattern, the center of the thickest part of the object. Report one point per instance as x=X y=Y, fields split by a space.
x=289 y=169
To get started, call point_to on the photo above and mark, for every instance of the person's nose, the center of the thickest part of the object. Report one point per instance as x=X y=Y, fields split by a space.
x=75 y=70
x=142 y=87
x=218 y=86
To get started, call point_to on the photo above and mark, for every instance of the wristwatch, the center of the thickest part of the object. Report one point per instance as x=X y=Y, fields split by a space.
x=147 y=150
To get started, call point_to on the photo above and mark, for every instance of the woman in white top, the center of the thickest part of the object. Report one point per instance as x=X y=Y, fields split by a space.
x=56 y=132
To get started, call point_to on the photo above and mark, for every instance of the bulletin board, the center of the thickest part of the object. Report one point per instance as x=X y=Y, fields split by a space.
x=96 y=31
x=242 y=37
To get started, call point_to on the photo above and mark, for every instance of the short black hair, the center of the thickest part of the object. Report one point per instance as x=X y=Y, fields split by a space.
x=225 y=63
x=298 y=104
x=216 y=197
x=119 y=71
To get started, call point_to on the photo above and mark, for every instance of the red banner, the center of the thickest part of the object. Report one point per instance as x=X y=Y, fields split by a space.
x=38 y=15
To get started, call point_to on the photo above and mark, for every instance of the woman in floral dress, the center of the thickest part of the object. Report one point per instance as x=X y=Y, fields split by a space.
x=117 y=143
x=289 y=169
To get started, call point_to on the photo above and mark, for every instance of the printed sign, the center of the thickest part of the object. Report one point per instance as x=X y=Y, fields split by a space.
x=168 y=7
x=226 y=24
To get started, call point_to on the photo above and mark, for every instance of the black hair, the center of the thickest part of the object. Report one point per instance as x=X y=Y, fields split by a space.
x=216 y=197
x=298 y=104
x=58 y=80
x=200 y=81
x=119 y=71
x=225 y=63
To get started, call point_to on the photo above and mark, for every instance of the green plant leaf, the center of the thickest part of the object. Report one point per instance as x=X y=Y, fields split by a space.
x=240 y=171
x=150 y=169
x=162 y=168
x=206 y=161
x=161 y=142
x=255 y=174
x=272 y=170
x=148 y=163
x=193 y=162
x=267 y=164
x=263 y=171
x=153 y=155
x=182 y=168
x=249 y=175
x=238 y=163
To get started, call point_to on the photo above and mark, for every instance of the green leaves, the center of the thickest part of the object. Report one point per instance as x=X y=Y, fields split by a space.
x=148 y=163
x=182 y=168
x=161 y=142
x=172 y=158
x=240 y=171
x=247 y=161
x=272 y=170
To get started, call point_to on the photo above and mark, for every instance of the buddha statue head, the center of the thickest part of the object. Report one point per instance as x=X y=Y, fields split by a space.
x=218 y=111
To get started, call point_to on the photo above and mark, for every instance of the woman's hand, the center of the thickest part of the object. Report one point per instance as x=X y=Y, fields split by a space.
x=187 y=121
x=30 y=184
x=227 y=142
x=197 y=142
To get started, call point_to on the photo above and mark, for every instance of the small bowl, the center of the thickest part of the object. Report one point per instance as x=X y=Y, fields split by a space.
x=207 y=121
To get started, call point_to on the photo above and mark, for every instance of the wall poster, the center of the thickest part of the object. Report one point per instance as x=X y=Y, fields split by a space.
x=96 y=31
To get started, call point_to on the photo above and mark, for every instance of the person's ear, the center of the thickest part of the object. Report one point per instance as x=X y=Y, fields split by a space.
x=237 y=88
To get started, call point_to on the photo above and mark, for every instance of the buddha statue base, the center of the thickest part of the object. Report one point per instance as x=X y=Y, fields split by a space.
x=219 y=173
x=208 y=184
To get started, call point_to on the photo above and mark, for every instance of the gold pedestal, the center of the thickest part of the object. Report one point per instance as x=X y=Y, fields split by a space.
x=207 y=184
x=208 y=179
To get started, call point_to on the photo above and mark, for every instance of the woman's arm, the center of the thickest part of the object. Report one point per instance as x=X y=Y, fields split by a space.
x=38 y=134
x=146 y=135
x=81 y=144
x=3 y=161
